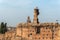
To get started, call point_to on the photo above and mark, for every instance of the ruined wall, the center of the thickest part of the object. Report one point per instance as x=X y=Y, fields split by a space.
x=46 y=32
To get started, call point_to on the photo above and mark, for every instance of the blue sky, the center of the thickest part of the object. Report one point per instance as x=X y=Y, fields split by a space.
x=17 y=11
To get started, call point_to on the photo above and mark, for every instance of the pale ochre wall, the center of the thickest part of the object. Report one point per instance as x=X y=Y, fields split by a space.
x=44 y=33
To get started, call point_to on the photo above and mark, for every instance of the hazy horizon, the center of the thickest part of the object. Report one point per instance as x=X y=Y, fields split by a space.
x=17 y=11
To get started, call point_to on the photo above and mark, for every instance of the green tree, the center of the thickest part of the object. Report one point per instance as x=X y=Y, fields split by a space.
x=3 y=28
x=0 y=28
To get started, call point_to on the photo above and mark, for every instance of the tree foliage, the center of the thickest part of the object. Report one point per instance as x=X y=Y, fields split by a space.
x=3 y=27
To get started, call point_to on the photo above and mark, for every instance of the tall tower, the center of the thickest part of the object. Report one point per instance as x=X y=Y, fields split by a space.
x=28 y=20
x=36 y=13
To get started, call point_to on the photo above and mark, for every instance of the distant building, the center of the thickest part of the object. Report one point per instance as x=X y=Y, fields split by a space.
x=11 y=28
x=33 y=30
x=38 y=31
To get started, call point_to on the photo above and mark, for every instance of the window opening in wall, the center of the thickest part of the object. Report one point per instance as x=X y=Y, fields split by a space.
x=38 y=30
x=39 y=38
x=43 y=37
x=30 y=35
x=47 y=34
x=50 y=37
x=33 y=31
x=52 y=31
x=46 y=37
x=46 y=27
x=48 y=31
